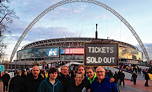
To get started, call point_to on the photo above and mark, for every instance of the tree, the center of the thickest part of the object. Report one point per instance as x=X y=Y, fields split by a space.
x=6 y=17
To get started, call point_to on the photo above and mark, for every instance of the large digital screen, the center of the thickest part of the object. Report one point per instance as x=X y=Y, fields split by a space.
x=38 y=53
x=130 y=53
x=53 y=52
x=72 y=51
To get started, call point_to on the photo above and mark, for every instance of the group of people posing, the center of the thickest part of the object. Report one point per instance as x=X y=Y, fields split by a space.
x=85 y=79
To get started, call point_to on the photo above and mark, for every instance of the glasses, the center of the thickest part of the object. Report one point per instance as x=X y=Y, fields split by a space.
x=100 y=71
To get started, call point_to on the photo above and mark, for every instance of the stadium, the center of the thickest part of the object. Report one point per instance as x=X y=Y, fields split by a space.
x=54 y=52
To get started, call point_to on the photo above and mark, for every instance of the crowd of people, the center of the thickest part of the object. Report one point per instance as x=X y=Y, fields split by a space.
x=130 y=68
x=135 y=70
x=80 y=79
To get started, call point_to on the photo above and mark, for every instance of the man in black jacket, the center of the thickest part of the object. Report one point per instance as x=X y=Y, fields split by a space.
x=16 y=83
x=121 y=77
x=65 y=78
x=33 y=80
x=5 y=79
x=134 y=78
x=146 y=78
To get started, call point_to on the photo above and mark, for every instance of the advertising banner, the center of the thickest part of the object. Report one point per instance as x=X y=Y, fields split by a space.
x=101 y=54
x=129 y=53
x=72 y=51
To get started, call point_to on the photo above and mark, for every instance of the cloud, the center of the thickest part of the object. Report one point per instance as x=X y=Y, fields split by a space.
x=36 y=34
x=41 y=33
x=72 y=9
x=103 y=17
x=29 y=9
x=15 y=30
x=80 y=9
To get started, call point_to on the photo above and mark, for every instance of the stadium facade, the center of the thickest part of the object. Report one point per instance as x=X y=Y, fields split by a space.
x=64 y=50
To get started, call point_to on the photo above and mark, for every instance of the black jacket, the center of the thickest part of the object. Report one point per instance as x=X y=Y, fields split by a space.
x=16 y=84
x=5 y=79
x=146 y=76
x=65 y=80
x=46 y=86
x=31 y=84
x=121 y=75
x=134 y=76
x=74 y=88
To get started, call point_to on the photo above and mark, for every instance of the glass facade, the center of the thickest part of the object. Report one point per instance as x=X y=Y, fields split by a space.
x=37 y=53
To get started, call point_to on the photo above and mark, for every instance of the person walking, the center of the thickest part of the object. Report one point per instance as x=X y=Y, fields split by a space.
x=121 y=77
x=146 y=78
x=134 y=78
x=5 y=79
x=51 y=84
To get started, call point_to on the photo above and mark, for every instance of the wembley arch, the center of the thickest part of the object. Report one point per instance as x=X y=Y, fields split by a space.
x=60 y=3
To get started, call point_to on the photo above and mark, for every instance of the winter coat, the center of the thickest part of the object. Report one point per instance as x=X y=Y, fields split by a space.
x=65 y=80
x=104 y=86
x=146 y=76
x=5 y=78
x=134 y=76
x=16 y=84
x=31 y=84
x=77 y=88
x=46 y=86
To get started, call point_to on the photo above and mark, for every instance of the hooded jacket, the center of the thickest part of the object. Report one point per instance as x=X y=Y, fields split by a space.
x=46 y=86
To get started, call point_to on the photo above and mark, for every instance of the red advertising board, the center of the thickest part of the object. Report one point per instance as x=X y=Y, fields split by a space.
x=73 y=50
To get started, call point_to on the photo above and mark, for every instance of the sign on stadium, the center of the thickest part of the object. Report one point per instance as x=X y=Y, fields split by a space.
x=69 y=51
x=53 y=52
x=101 y=54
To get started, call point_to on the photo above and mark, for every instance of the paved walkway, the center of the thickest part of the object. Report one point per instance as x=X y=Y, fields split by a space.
x=1 y=86
x=139 y=87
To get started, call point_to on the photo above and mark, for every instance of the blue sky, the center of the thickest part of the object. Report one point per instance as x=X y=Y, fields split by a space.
x=79 y=20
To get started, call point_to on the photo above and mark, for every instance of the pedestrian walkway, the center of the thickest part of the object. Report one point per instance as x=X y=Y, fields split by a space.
x=139 y=87
x=1 y=86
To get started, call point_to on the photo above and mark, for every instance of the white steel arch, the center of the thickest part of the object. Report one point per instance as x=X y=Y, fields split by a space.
x=72 y=1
